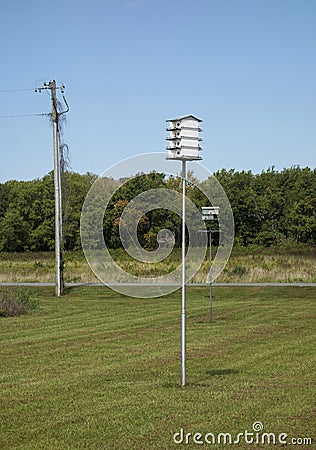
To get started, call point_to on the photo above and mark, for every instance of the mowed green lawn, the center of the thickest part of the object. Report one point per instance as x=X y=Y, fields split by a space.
x=96 y=370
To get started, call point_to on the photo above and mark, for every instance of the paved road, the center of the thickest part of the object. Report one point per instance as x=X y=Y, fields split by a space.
x=147 y=284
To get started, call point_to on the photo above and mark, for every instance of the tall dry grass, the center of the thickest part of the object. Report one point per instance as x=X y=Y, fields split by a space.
x=251 y=265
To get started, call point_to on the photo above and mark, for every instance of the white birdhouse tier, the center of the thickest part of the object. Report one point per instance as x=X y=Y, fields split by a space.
x=184 y=138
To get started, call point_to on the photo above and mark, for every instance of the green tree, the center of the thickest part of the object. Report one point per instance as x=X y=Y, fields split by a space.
x=14 y=232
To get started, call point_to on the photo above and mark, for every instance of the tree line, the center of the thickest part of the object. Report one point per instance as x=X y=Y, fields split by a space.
x=268 y=208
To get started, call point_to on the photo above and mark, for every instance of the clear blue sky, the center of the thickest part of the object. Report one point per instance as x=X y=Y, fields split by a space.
x=247 y=68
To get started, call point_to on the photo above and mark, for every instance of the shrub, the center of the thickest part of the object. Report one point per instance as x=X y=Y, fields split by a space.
x=239 y=269
x=16 y=301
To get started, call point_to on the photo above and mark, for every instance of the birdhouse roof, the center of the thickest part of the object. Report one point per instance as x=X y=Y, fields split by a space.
x=190 y=116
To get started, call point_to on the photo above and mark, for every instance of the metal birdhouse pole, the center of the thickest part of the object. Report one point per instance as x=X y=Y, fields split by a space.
x=184 y=146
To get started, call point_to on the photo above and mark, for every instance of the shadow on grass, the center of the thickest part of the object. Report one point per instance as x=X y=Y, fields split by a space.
x=205 y=382
x=205 y=319
x=221 y=372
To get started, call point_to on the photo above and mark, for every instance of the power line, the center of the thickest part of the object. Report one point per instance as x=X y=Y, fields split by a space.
x=24 y=115
x=15 y=90
x=20 y=115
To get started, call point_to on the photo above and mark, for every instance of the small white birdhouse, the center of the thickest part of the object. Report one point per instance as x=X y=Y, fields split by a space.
x=184 y=138
x=210 y=212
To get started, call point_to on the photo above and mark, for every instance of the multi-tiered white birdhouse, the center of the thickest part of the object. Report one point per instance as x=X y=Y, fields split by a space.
x=184 y=138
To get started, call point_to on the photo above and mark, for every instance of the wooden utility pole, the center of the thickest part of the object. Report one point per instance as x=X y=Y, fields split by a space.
x=58 y=192
x=58 y=197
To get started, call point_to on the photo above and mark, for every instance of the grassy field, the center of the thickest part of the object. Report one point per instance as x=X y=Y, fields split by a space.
x=96 y=370
x=248 y=265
